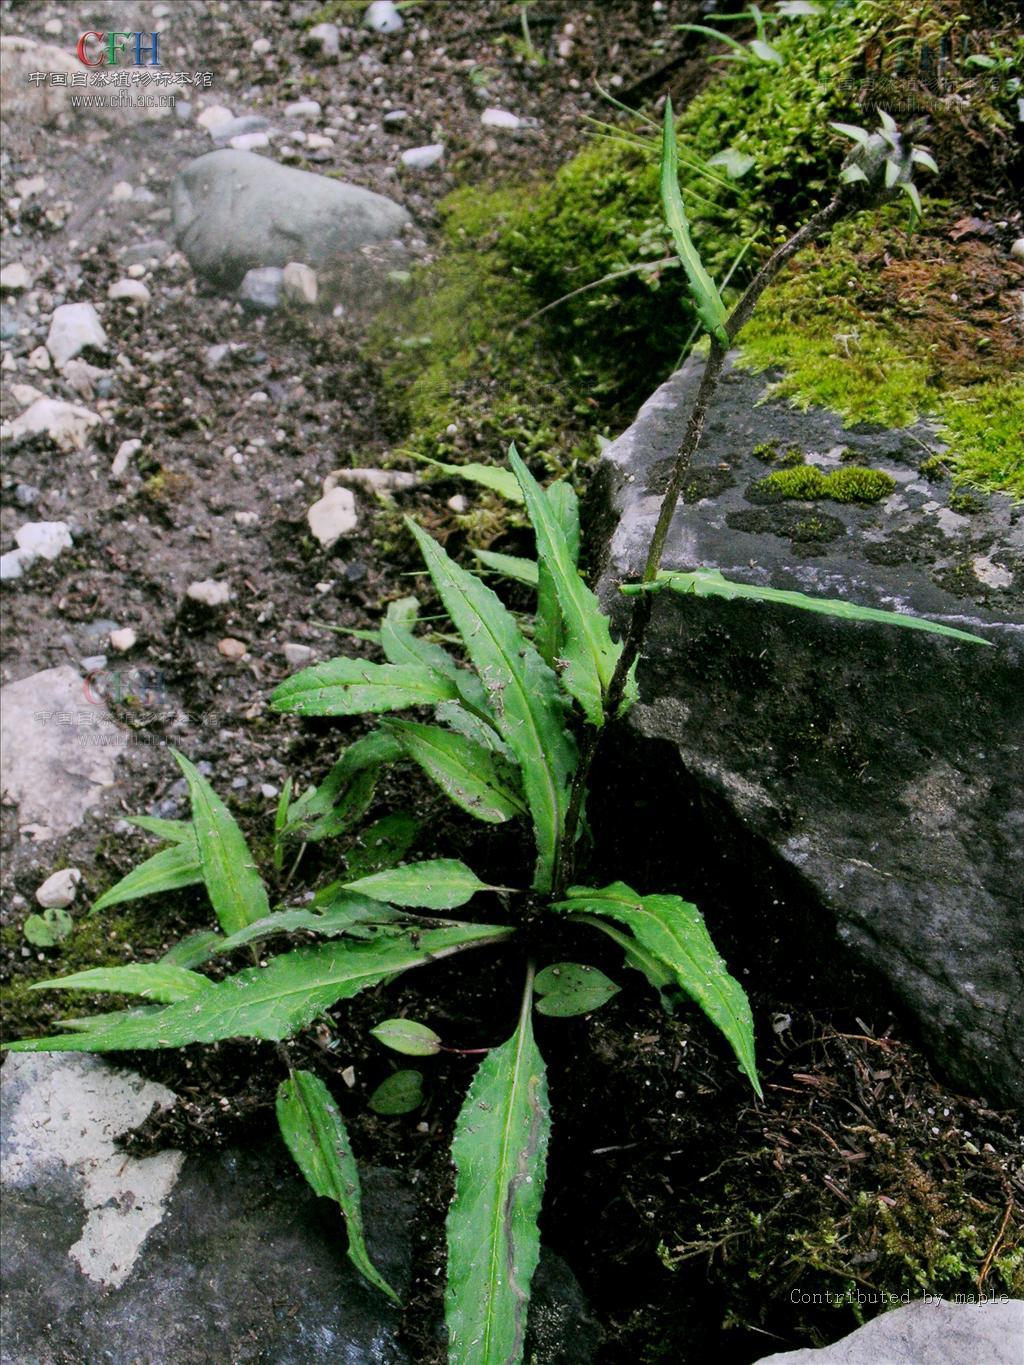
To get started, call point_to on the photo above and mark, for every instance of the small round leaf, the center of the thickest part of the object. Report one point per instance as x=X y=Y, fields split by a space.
x=49 y=928
x=399 y=1094
x=567 y=988
x=405 y=1035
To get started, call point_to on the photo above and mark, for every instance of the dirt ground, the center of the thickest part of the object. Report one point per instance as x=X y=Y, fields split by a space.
x=656 y=1144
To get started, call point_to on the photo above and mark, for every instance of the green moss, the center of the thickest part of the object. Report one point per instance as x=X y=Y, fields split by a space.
x=983 y=426
x=807 y=482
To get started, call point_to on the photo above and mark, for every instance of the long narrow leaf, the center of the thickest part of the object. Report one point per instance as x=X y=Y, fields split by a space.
x=487 y=475
x=711 y=583
x=402 y=645
x=159 y=981
x=522 y=695
x=549 y=630
x=500 y=1153
x=588 y=656
x=169 y=870
x=275 y=1001
x=353 y=913
x=673 y=930
x=349 y=687
x=233 y=884
x=173 y=831
x=315 y=1134
x=509 y=566
x=707 y=302
x=464 y=770
x=435 y=884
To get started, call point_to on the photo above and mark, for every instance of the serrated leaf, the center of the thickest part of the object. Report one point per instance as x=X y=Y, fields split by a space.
x=408 y=1037
x=169 y=870
x=435 y=884
x=852 y=131
x=383 y=844
x=500 y=1154
x=673 y=930
x=401 y=1093
x=194 y=949
x=569 y=988
x=549 y=627
x=466 y=772
x=588 y=655
x=522 y=696
x=275 y=1001
x=160 y=981
x=711 y=583
x=307 y=811
x=315 y=1134
x=455 y=717
x=764 y=52
x=487 y=475
x=707 y=302
x=53 y=926
x=509 y=566
x=350 y=687
x=233 y=884
x=402 y=645
x=346 y=913
x=349 y=808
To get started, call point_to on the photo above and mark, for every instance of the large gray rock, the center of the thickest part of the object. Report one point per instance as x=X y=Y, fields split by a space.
x=58 y=747
x=175 y=1260
x=235 y=211
x=926 y=1333
x=881 y=769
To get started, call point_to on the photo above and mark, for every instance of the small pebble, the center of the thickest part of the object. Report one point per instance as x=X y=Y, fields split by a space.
x=129 y=291
x=209 y=592
x=383 y=16
x=500 y=118
x=123 y=640
x=58 y=891
x=231 y=648
x=422 y=158
x=299 y=283
x=297 y=655
x=14 y=278
x=268 y=790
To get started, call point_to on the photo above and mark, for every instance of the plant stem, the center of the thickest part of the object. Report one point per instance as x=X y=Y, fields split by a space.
x=643 y=603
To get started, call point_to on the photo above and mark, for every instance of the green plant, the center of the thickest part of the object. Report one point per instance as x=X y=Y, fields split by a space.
x=515 y=724
x=757 y=49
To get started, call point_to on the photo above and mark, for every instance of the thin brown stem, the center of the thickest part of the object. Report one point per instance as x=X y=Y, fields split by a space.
x=643 y=603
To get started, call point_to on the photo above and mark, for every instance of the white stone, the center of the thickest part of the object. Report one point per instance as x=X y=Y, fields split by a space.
x=1017 y=250
x=24 y=394
x=262 y=47
x=209 y=592
x=333 y=516
x=47 y=767
x=123 y=640
x=215 y=116
x=931 y=1332
x=66 y=424
x=53 y=27
x=64 y=1114
x=13 y=564
x=248 y=142
x=59 y=889
x=44 y=539
x=82 y=377
x=297 y=655
x=73 y=328
x=327 y=38
x=30 y=186
x=247 y=518
x=374 y=480
x=268 y=790
x=303 y=109
x=396 y=116
x=316 y=142
x=136 y=271
x=459 y=503
x=126 y=452
x=422 y=158
x=299 y=283
x=383 y=17
x=500 y=118
x=993 y=575
x=14 y=278
x=39 y=359
x=122 y=192
x=129 y=291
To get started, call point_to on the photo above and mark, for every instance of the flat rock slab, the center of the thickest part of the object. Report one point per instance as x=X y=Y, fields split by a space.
x=926 y=1333
x=106 y=1259
x=883 y=767
x=58 y=748
x=236 y=211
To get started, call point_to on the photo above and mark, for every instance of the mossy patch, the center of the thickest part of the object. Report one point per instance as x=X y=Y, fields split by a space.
x=807 y=482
